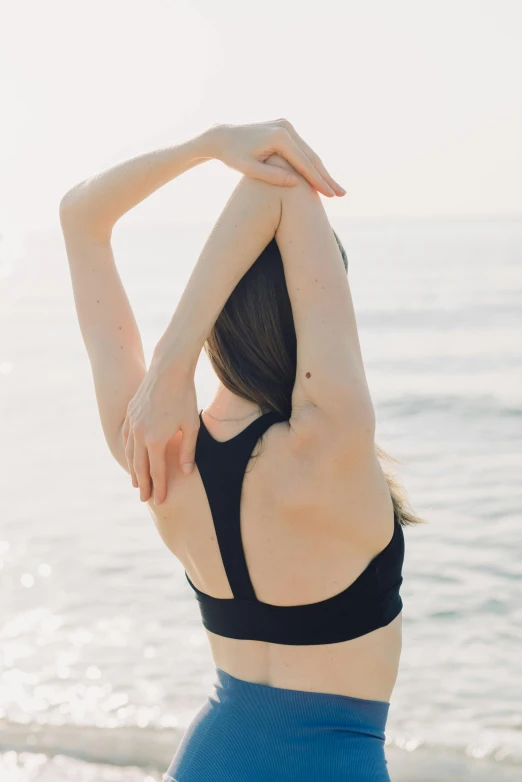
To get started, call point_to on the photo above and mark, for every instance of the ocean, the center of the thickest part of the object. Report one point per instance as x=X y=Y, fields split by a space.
x=103 y=657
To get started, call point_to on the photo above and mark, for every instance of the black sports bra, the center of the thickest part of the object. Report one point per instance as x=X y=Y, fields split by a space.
x=371 y=601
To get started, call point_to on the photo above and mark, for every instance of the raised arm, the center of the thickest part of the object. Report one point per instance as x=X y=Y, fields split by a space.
x=330 y=388
x=330 y=395
x=88 y=213
x=165 y=402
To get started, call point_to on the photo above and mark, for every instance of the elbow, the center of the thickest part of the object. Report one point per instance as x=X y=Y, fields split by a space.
x=64 y=211
x=78 y=217
x=71 y=197
x=69 y=208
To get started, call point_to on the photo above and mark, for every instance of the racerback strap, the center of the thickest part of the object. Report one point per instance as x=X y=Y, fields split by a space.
x=222 y=466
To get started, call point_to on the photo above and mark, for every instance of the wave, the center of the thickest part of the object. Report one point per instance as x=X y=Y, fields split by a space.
x=464 y=405
x=122 y=746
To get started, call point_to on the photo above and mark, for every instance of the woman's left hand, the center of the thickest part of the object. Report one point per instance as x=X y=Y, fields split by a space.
x=164 y=404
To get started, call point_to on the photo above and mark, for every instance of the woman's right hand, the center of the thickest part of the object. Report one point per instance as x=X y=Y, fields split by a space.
x=246 y=148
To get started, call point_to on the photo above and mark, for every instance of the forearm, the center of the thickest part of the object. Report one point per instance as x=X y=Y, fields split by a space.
x=246 y=225
x=98 y=203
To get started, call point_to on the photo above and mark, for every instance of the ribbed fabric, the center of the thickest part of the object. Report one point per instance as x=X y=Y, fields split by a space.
x=247 y=732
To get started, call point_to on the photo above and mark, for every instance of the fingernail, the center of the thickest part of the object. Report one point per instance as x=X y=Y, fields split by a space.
x=343 y=191
x=156 y=500
x=187 y=468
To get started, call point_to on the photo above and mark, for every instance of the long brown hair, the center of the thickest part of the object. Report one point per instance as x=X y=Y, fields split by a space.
x=253 y=349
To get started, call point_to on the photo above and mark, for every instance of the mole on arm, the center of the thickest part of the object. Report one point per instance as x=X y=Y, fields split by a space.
x=308 y=374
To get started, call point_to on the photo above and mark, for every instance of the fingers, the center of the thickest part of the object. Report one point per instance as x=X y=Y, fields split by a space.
x=293 y=148
x=146 y=456
x=272 y=174
x=316 y=161
x=290 y=150
x=129 y=455
x=187 y=456
x=158 y=470
x=142 y=470
x=147 y=465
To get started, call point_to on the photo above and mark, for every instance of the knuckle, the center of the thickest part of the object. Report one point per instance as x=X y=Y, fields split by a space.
x=280 y=134
x=281 y=162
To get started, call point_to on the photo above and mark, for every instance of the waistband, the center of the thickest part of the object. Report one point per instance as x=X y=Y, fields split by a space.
x=304 y=706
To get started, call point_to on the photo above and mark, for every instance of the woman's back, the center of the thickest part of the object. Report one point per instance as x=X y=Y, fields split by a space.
x=296 y=562
x=309 y=528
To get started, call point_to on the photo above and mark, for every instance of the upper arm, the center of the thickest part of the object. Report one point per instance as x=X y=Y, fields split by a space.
x=330 y=385
x=108 y=327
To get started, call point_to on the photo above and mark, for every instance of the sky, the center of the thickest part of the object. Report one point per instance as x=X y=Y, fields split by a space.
x=415 y=106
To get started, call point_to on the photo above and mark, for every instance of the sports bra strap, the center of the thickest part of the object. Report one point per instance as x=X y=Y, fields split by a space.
x=222 y=466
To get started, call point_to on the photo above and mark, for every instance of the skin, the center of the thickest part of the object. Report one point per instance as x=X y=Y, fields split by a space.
x=315 y=505
x=88 y=213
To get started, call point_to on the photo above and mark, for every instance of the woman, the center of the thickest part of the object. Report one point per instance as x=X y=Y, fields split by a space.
x=296 y=561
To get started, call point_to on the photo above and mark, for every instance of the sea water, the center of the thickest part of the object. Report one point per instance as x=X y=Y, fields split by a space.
x=103 y=656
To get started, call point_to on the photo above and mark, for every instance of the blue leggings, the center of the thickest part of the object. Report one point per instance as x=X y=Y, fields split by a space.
x=247 y=732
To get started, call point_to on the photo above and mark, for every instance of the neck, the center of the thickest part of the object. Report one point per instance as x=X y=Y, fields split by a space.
x=227 y=406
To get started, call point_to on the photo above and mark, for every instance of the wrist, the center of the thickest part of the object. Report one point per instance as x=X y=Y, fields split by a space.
x=171 y=358
x=211 y=140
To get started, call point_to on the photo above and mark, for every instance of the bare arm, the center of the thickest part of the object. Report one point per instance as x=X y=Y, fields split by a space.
x=330 y=389
x=330 y=385
x=97 y=203
x=165 y=401
x=330 y=394
x=88 y=213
